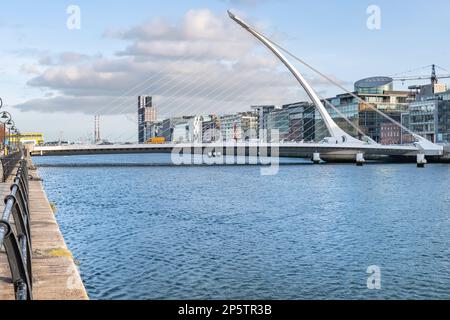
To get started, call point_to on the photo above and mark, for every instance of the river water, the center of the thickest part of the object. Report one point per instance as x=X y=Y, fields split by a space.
x=227 y=232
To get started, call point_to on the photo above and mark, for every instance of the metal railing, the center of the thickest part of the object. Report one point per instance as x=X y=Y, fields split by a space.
x=17 y=239
x=9 y=162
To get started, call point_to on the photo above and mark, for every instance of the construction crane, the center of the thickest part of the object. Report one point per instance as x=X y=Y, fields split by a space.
x=434 y=77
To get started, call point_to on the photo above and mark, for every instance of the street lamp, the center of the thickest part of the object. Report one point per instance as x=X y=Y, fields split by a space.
x=16 y=138
x=5 y=117
x=13 y=137
x=7 y=125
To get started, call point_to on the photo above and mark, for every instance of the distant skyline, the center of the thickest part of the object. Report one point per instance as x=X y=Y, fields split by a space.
x=193 y=59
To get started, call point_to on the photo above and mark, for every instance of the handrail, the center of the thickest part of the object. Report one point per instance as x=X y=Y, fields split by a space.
x=9 y=162
x=17 y=239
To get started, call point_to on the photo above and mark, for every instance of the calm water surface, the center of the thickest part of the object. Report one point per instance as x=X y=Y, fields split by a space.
x=309 y=232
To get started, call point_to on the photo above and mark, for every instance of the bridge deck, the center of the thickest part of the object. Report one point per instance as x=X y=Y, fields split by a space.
x=55 y=276
x=301 y=150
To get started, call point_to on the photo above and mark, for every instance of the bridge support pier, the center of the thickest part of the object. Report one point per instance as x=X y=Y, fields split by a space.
x=360 y=159
x=421 y=161
x=316 y=158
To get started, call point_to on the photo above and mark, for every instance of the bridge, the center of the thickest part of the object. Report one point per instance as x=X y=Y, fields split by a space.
x=338 y=146
x=344 y=152
x=49 y=270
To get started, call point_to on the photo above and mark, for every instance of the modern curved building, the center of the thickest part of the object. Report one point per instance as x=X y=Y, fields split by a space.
x=374 y=85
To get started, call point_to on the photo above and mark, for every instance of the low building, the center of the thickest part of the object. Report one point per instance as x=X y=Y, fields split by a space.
x=181 y=133
x=152 y=130
x=168 y=126
x=391 y=133
x=202 y=128
x=32 y=137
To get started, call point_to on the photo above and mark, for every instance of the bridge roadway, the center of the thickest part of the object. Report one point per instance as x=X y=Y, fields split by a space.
x=328 y=152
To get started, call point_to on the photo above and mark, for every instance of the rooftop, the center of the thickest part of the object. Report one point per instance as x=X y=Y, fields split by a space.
x=373 y=82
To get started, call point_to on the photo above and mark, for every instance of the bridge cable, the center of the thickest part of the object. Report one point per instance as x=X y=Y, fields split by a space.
x=342 y=87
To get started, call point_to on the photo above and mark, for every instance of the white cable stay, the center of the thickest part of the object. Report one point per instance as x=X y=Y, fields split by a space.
x=335 y=131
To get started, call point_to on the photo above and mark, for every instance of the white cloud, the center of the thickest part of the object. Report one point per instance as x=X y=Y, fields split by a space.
x=32 y=69
x=203 y=63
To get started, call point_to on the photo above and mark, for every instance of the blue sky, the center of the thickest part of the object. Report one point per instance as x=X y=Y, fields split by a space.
x=331 y=35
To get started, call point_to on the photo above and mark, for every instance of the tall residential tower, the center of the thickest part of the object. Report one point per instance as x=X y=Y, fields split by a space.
x=146 y=116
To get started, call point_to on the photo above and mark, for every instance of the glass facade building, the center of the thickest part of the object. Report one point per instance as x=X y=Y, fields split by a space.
x=239 y=127
x=443 y=122
x=430 y=117
x=295 y=122
x=422 y=111
x=377 y=93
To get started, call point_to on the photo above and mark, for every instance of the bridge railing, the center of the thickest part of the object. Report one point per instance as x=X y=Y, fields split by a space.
x=16 y=237
x=8 y=163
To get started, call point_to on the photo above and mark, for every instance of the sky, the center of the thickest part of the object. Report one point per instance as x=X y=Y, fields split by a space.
x=193 y=59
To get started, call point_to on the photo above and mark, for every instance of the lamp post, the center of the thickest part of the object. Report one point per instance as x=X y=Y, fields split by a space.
x=7 y=125
x=4 y=119
x=13 y=137
x=17 y=138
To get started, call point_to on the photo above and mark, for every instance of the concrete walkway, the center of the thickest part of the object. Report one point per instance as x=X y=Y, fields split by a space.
x=55 y=275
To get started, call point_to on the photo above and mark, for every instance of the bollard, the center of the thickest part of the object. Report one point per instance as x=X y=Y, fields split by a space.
x=360 y=159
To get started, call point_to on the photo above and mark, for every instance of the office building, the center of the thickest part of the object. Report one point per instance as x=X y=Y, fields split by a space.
x=300 y=117
x=242 y=126
x=294 y=122
x=429 y=116
x=210 y=125
x=261 y=113
x=168 y=126
x=377 y=93
x=146 y=117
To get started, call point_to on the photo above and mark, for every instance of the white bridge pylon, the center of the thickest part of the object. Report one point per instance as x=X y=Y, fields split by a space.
x=338 y=136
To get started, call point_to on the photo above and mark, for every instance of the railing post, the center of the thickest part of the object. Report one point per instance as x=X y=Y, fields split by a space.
x=17 y=241
x=19 y=272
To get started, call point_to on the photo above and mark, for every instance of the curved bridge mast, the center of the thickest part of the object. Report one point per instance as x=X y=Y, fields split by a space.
x=337 y=134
